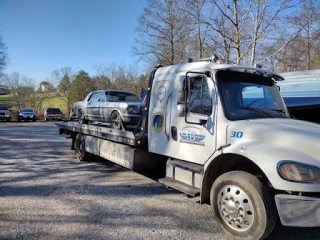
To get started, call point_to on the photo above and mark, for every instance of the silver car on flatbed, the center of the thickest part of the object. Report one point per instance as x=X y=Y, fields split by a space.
x=116 y=108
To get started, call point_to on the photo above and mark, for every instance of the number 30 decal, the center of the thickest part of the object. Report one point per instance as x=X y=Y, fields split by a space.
x=235 y=134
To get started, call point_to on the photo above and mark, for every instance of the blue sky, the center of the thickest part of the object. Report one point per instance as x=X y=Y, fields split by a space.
x=44 y=35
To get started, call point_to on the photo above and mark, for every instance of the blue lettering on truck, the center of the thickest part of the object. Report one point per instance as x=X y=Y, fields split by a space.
x=192 y=138
x=235 y=134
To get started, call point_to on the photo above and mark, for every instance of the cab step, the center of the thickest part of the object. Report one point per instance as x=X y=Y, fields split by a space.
x=180 y=186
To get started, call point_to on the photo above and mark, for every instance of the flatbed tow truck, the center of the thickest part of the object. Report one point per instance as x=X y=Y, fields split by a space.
x=225 y=135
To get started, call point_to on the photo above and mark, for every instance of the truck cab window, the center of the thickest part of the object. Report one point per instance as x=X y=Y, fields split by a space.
x=249 y=96
x=199 y=100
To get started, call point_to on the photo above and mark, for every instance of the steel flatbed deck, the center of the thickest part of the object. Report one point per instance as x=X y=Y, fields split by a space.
x=103 y=132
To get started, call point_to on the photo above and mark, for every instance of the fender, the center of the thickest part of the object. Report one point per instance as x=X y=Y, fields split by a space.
x=267 y=156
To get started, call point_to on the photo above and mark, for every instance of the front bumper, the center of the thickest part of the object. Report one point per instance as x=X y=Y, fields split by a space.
x=131 y=118
x=298 y=211
x=5 y=117
x=27 y=117
x=49 y=116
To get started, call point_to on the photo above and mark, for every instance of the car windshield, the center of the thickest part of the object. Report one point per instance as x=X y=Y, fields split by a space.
x=26 y=110
x=122 y=97
x=53 y=110
x=4 y=108
x=248 y=96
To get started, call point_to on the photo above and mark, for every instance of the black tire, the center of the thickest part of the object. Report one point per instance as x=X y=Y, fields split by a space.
x=116 y=122
x=46 y=119
x=79 y=146
x=19 y=119
x=243 y=206
x=82 y=117
x=9 y=119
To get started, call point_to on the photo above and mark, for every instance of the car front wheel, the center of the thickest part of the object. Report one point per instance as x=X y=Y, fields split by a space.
x=243 y=206
x=82 y=118
x=116 y=122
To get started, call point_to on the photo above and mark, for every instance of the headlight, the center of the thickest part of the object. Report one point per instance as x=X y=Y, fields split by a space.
x=299 y=172
x=7 y=113
x=130 y=109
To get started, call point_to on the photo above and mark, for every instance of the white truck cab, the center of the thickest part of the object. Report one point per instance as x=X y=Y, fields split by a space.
x=230 y=138
x=225 y=135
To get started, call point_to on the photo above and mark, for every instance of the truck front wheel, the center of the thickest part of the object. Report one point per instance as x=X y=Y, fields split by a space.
x=79 y=145
x=243 y=206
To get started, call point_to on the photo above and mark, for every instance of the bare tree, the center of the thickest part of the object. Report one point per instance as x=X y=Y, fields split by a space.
x=23 y=90
x=243 y=27
x=63 y=78
x=163 y=29
x=119 y=77
x=308 y=20
x=302 y=52
x=58 y=74
x=3 y=56
x=199 y=30
x=105 y=76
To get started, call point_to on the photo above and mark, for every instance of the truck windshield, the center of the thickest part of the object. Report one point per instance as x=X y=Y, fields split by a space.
x=249 y=96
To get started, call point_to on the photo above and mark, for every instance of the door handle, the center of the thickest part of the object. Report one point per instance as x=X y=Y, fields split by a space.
x=174 y=133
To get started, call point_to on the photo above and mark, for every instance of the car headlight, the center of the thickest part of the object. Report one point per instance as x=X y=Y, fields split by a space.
x=130 y=109
x=7 y=113
x=299 y=172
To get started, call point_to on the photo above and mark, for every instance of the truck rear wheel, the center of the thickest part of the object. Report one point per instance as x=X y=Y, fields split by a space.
x=81 y=153
x=243 y=206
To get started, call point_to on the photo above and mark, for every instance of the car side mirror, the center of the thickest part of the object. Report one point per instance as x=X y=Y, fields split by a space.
x=10 y=110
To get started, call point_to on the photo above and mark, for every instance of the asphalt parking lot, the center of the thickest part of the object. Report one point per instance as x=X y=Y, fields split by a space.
x=45 y=193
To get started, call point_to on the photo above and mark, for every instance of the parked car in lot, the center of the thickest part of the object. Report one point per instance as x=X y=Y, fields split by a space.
x=52 y=114
x=26 y=114
x=117 y=108
x=5 y=114
x=73 y=114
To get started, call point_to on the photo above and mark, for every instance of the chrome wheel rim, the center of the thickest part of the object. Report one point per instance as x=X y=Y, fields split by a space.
x=235 y=208
x=115 y=121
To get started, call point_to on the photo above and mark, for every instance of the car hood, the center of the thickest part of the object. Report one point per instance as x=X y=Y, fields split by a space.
x=300 y=135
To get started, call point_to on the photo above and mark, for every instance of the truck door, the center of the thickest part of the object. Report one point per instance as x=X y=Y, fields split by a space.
x=185 y=129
